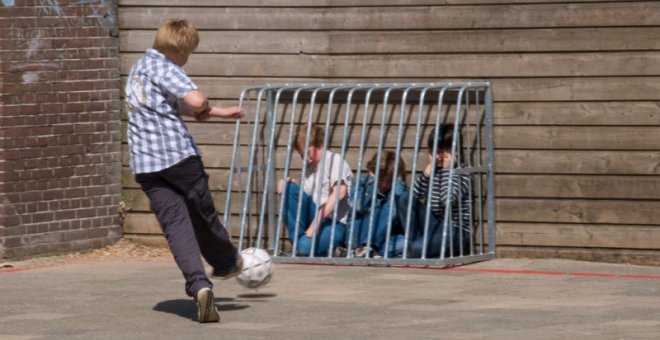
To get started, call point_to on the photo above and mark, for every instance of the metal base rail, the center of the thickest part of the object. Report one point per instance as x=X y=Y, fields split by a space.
x=361 y=120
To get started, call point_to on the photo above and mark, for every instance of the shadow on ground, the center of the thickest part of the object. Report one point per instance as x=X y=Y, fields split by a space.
x=186 y=308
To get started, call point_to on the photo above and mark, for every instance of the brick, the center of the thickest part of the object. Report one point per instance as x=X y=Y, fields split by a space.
x=60 y=131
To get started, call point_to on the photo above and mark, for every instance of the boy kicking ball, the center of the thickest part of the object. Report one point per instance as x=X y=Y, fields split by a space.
x=167 y=163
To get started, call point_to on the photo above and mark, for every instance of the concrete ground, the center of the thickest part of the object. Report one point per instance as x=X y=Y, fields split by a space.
x=498 y=299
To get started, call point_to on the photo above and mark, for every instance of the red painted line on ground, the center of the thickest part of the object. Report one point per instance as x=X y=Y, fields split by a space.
x=23 y=269
x=450 y=269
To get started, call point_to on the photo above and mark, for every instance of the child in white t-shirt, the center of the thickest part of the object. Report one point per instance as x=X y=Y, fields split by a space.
x=327 y=178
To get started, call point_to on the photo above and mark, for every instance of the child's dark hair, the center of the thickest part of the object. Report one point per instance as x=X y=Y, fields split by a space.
x=445 y=138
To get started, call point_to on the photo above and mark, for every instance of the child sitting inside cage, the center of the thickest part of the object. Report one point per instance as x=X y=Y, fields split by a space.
x=378 y=218
x=326 y=180
x=458 y=191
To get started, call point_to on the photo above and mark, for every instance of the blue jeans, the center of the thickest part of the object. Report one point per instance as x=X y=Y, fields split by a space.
x=435 y=231
x=307 y=214
x=379 y=231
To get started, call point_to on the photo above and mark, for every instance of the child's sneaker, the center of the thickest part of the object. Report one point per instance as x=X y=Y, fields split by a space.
x=362 y=252
x=206 y=311
x=232 y=272
x=339 y=252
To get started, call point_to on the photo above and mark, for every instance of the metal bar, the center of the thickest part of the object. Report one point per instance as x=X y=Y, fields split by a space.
x=250 y=168
x=342 y=157
x=321 y=170
x=395 y=175
x=448 y=206
x=357 y=177
x=237 y=134
x=435 y=262
x=374 y=194
x=294 y=237
x=491 y=175
x=422 y=97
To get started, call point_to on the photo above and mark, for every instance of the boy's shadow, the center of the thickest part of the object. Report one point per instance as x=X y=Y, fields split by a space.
x=186 y=308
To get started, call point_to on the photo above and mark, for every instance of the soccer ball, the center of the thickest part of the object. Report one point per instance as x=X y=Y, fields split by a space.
x=257 y=268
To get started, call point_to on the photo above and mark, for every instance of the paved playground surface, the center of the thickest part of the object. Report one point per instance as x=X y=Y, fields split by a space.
x=498 y=299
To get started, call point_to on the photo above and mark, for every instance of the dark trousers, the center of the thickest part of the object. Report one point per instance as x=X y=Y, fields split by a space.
x=181 y=200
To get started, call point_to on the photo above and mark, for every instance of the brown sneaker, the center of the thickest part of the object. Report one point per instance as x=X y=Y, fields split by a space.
x=232 y=272
x=206 y=311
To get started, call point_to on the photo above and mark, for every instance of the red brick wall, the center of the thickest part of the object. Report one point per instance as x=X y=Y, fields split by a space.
x=60 y=152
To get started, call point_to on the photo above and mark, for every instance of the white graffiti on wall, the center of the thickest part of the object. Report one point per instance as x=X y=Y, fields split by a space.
x=35 y=40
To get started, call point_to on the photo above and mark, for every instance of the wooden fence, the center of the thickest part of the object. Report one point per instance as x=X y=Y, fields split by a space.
x=576 y=89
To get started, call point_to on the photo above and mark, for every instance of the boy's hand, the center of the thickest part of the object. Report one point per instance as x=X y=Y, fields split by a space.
x=232 y=112
x=310 y=230
x=429 y=167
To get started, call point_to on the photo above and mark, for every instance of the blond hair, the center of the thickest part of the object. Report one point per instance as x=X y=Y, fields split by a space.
x=175 y=36
x=316 y=137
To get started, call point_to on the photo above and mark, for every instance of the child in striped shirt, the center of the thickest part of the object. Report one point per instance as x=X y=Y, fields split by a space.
x=447 y=189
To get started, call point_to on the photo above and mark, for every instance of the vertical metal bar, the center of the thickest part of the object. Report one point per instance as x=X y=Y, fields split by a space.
x=237 y=146
x=381 y=141
x=470 y=150
x=343 y=159
x=268 y=180
x=251 y=166
x=287 y=165
x=286 y=172
x=459 y=147
x=491 y=175
x=452 y=173
x=367 y=100
x=480 y=207
x=349 y=99
x=269 y=185
x=321 y=169
x=395 y=175
x=429 y=191
x=413 y=172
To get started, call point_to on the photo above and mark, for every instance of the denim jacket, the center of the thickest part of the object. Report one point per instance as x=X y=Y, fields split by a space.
x=365 y=189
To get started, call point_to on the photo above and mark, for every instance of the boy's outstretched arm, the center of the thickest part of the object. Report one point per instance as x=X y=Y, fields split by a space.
x=197 y=106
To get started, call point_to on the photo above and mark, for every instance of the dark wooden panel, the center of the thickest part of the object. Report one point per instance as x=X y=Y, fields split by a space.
x=526 y=90
x=146 y=223
x=615 y=255
x=380 y=42
x=506 y=137
x=578 y=235
x=610 y=113
x=578 y=138
x=427 y=66
x=506 y=161
x=400 y=18
x=576 y=113
x=274 y=42
x=513 y=186
x=578 y=211
x=137 y=201
x=578 y=162
x=577 y=186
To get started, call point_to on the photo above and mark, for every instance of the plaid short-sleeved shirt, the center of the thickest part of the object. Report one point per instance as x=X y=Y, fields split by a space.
x=157 y=136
